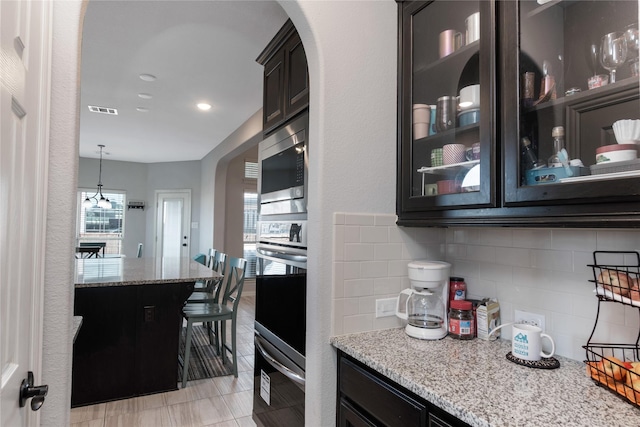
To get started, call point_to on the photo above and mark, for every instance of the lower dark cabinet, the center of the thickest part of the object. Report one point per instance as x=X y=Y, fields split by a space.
x=367 y=398
x=348 y=416
x=128 y=343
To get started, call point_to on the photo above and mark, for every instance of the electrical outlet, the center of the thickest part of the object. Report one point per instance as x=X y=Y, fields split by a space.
x=386 y=307
x=530 y=318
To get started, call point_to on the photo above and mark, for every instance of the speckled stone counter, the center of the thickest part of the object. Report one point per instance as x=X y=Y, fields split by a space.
x=97 y=272
x=475 y=382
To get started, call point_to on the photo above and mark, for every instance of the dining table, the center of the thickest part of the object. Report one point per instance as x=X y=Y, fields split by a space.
x=131 y=323
x=88 y=251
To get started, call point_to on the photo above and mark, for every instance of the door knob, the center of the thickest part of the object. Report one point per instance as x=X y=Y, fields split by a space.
x=35 y=393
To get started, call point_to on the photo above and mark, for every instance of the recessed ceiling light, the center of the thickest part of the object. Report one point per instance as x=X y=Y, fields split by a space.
x=142 y=109
x=145 y=95
x=148 y=77
x=204 y=106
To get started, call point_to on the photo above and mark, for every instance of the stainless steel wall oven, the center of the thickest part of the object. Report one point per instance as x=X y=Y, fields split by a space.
x=280 y=325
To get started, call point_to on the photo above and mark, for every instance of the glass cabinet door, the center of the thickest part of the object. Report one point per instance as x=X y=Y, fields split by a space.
x=570 y=95
x=446 y=105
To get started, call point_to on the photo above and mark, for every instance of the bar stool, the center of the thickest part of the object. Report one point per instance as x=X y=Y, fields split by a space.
x=210 y=312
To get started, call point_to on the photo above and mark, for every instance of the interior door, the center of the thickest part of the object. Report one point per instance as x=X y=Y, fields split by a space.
x=173 y=223
x=24 y=103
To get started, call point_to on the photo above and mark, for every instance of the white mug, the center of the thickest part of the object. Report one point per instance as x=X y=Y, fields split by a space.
x=472 y=24
x=526 y=341
x=469 y=97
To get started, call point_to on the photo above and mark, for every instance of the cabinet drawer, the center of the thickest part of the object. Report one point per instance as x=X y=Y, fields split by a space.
x=389 y=406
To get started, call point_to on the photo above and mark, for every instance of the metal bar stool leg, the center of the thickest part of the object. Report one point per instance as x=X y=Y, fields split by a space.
x=187 y=352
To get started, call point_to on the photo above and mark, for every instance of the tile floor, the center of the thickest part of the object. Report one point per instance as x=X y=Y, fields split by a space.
x=213 y=402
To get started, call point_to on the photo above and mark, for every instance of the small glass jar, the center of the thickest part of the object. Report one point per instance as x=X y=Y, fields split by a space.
x=462 y=325
x=457 y=289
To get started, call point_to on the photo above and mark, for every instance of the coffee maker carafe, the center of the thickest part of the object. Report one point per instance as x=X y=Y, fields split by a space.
x=425 y=305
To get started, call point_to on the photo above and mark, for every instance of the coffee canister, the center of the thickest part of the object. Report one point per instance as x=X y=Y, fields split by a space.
x=445 y=113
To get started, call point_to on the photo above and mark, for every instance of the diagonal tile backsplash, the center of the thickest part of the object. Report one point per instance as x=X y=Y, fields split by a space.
x=537 y=270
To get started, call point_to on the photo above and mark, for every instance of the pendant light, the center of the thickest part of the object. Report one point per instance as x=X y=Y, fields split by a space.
x=103 y=202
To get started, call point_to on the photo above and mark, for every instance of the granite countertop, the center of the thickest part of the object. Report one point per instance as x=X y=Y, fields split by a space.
x=98 y=272
x=475 y=382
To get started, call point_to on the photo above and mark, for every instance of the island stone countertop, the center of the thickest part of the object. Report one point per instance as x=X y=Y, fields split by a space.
x=474 y=381
x=98 y=272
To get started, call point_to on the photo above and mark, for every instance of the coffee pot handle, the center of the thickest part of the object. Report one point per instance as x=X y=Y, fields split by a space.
x=402 y=308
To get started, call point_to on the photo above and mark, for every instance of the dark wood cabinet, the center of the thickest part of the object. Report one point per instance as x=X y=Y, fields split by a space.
x=286 y=78
x=367 y=398
x=518 y=40
x=128 y=343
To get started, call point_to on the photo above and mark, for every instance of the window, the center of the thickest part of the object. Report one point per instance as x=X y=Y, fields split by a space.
x=250 y=169
x=97 y=225
x=249 y=231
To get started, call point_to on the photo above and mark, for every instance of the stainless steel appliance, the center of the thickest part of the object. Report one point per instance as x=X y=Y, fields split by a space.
x=280 y=325
x=283 y=163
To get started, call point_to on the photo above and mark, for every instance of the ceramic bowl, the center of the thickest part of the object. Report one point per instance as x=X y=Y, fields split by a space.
x=627 y=131
x=616 y=153
x=469 y=98
x=469 y=117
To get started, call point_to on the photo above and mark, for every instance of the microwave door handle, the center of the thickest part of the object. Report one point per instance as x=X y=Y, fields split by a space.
x=283 y=255
x=279 y=366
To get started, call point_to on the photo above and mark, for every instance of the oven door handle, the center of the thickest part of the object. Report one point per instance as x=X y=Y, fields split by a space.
x=282 y=255
x=277 y=365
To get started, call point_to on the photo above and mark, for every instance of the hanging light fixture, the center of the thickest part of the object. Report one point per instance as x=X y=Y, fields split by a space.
x=102 y=202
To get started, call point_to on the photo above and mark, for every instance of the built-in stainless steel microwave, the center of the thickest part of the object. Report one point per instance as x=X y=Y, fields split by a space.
x=283 y=165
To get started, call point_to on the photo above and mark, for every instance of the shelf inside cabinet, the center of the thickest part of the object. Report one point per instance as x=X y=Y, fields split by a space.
x=549 y=4
x=587 y=94
x=463 y=54
x=441 y=138
x=448 y=169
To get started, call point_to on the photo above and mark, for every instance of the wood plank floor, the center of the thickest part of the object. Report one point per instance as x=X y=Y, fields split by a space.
x=214 y=402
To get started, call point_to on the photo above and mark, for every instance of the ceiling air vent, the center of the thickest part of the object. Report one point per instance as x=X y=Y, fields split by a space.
x=103 y=110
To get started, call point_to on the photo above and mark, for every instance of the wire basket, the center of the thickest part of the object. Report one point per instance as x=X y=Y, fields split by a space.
x=616 y=276
x=616 y=366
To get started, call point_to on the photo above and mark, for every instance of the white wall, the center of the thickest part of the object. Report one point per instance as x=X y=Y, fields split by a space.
x=214 y=180
x=234 y=201
x=140 y=181
x=537 y=270
x=351 y=51
x=61 y=213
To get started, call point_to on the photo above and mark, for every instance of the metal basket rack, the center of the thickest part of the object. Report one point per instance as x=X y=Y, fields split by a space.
x=616 y=276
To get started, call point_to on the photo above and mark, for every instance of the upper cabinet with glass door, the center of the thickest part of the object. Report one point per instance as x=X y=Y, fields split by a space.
x=571 y=107
x=446 y=106
x=553 y=137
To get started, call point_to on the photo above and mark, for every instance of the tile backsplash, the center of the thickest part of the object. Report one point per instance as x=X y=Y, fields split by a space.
x=537 y=270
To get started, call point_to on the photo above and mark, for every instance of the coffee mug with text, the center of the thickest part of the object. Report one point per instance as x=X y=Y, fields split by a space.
x=526 y=341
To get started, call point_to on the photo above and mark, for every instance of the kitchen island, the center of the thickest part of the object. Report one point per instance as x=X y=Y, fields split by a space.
x=474 y=382
x=128 y=343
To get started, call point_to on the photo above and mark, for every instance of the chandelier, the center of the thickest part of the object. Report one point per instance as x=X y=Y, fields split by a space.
x=102 y=202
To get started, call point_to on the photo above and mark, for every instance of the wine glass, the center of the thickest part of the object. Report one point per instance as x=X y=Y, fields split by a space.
x=633 y=43
x=613 y=53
